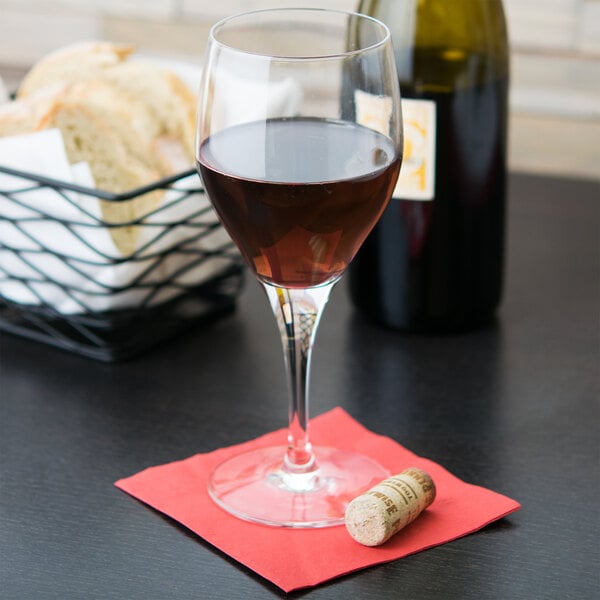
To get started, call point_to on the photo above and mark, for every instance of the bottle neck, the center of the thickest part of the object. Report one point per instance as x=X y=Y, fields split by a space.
x=448 y=44
x=471 y=25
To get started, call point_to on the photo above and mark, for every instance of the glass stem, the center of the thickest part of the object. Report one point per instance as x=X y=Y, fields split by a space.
x=298 y=312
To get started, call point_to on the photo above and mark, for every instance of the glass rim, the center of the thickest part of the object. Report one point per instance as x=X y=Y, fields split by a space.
x=325 y=56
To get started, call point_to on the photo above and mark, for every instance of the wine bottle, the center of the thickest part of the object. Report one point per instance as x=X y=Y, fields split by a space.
x=434 y=262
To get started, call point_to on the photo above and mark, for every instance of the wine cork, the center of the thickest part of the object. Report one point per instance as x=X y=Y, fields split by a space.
x=374 y=517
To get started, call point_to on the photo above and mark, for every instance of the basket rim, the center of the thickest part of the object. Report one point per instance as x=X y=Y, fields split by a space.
x=59 y=184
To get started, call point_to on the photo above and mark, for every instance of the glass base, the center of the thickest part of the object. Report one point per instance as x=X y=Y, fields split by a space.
x=256 y=486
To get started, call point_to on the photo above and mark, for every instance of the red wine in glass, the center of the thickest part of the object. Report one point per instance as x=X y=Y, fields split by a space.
x=298 y=195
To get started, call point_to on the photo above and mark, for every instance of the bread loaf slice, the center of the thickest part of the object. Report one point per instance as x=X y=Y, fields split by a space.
x=22 y=116
x=89 y=138
x=166 y=96
x=75 y=62
x=169 y=99
x=131 y=120
x=127 y=116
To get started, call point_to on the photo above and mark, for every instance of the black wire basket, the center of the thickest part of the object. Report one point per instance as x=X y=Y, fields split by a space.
x=64 y=284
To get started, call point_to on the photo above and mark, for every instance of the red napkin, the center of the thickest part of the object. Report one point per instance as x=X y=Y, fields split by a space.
x=298 y=558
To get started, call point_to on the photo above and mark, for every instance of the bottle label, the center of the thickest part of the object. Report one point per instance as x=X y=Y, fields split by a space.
x=417 y=175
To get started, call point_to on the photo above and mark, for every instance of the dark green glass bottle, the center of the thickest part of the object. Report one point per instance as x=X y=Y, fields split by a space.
x=434 y=262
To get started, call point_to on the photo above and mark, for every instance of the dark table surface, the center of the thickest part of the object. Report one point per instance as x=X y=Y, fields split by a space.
x=513 y=407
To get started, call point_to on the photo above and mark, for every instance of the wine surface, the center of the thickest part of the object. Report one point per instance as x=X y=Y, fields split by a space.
x=299 y=195
x=437 y=265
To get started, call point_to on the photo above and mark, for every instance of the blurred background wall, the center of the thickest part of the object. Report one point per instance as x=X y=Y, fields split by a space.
x=555 y=92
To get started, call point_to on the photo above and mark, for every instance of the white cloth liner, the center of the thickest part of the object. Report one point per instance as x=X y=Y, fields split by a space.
x=76 y=268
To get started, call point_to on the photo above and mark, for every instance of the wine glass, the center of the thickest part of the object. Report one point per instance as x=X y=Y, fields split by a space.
x=299 y=147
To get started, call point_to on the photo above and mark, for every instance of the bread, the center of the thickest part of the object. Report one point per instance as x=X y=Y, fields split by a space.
x=23 y=116
x=127 y=117
x=131 y=121
x=89 y=138
x=169 y=100
x=73 y=62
